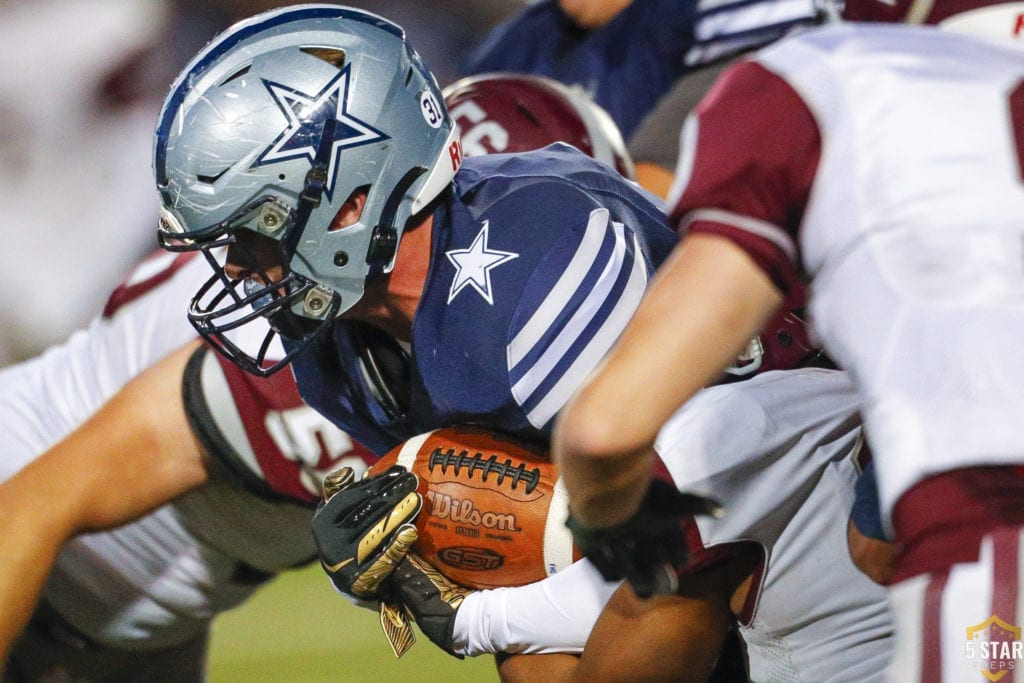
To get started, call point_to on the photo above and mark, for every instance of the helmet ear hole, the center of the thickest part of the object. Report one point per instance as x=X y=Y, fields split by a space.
x=351 y=209
x=341 y=259
x=333 y=56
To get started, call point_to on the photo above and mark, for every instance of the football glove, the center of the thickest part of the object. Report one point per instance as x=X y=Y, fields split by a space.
x=430 y=598
x=650 y=548
x=363 y=529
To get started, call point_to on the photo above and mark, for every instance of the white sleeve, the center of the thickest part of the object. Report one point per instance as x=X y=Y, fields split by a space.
x=553 y=615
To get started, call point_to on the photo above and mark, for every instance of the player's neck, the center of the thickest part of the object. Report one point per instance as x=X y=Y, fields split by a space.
x=391 y=302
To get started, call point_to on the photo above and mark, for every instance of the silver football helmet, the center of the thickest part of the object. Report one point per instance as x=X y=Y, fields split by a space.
x=270 y=129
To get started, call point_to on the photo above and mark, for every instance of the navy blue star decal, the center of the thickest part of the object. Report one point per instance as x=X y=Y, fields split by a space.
x=308 y=118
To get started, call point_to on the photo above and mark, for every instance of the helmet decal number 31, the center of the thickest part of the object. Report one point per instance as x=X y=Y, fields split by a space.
x=432 y=112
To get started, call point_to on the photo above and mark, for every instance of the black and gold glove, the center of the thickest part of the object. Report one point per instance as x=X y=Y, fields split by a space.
x=430 y=598
x=364 y=528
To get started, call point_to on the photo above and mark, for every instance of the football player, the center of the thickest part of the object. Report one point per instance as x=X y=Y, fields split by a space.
x=883 y=163
x=628 y=54
x=354 y=225
x=247 y=458
x=781 y=453
x=237 y=443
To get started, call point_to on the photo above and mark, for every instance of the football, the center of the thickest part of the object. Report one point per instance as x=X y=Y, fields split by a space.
x=494 y=510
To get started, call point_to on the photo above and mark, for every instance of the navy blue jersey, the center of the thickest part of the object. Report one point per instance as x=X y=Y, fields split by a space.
x=538 y=261
x=629 y=63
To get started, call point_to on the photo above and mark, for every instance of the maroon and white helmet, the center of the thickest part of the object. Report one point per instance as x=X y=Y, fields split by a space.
x=992 y=18
x=784 y=343
x=506 y=112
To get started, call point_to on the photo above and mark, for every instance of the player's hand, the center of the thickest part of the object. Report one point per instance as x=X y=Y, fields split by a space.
x=364 y=528
x=650 y=548
x=431 y=598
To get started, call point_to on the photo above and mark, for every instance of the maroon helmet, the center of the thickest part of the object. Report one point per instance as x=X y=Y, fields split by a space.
x=505 y=112
x=784 y=343
x=994 y=18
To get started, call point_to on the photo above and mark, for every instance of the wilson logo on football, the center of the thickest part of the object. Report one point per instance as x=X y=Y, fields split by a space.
x=471 y=559
x=443 y=506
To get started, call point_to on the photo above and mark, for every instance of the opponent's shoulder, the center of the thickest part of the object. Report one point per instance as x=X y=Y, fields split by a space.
x=162 y=275
x=262 y=432
x=748 y=418
x=841 y=46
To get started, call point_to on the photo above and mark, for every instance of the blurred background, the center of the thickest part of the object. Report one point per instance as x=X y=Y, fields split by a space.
x=82 y=84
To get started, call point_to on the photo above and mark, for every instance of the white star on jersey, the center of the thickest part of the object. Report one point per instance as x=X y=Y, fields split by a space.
x=473 y=266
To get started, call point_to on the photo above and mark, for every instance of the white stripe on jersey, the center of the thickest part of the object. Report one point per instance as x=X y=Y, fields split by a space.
x=718 y=24
x=228 y=418
x=725 y=27
x=772 y=233
x=687 y=154
x=599 y=343
x=591 y=306
x=563 y=290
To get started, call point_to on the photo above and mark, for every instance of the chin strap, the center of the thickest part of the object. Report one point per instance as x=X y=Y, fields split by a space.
x=384 y=240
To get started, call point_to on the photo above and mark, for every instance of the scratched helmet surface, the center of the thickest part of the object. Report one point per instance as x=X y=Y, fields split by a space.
x=270 y=129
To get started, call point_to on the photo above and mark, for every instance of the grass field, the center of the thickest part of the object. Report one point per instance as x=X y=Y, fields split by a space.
x=297 y=629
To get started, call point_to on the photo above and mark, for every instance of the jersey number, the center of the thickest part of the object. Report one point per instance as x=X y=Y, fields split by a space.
x=481 y=136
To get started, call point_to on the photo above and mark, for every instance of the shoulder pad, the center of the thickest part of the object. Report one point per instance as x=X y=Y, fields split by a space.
x=262 y=432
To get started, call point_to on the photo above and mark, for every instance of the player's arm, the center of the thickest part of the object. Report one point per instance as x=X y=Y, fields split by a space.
x=673 y=346
x=871 y=550
x=135 y=454
x=670 y=638
x=742 y=186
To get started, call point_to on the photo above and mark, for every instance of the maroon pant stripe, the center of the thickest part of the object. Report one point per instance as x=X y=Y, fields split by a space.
x=931 y=633
x=1005 y=570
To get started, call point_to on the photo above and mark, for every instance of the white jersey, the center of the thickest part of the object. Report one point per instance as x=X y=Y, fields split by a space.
x=902 y=150
x=937 y=228
x=779 y=452
x=159 y=580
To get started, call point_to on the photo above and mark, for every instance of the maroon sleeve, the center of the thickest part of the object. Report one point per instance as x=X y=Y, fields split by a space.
x=260 y=430
x=749 y=175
